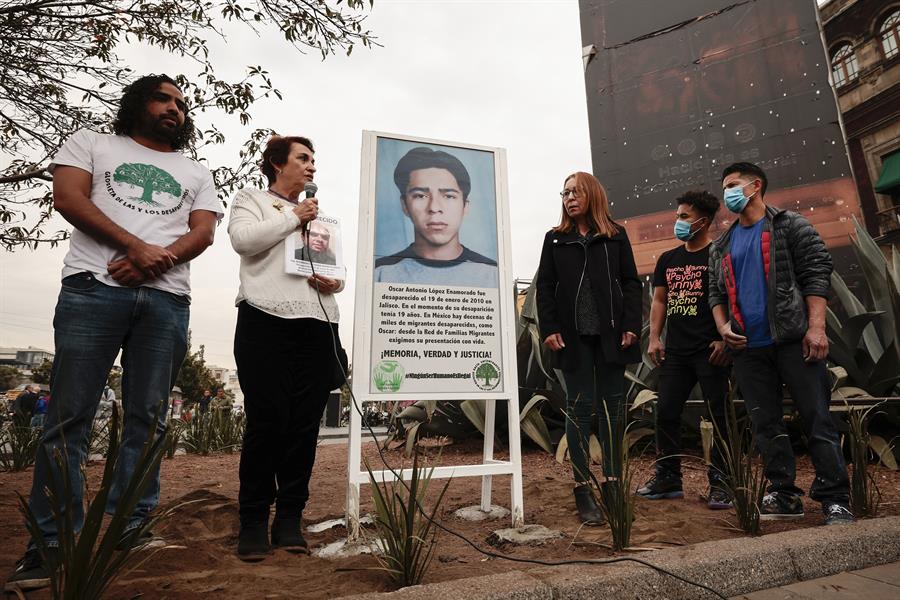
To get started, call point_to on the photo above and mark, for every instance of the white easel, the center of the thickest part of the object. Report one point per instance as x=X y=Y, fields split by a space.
x=362 y=348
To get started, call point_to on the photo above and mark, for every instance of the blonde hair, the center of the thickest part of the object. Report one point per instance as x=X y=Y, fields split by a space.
x=598 y=205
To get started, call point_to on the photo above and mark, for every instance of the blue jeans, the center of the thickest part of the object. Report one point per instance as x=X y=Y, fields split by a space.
x=594 y=379
x=92 y=322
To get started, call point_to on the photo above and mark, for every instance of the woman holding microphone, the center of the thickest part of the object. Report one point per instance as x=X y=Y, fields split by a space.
x=589 y=312
x=284 y=350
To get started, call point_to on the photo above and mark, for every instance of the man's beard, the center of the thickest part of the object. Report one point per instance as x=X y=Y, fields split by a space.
x=155 y=130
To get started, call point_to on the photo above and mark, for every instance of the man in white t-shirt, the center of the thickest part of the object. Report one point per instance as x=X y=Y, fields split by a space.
x=141 y=211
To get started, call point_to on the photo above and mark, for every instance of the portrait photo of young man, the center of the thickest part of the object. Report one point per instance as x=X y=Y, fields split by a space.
x=435 y=195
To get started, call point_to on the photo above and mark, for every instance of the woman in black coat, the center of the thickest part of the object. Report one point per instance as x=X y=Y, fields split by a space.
x=589 y=312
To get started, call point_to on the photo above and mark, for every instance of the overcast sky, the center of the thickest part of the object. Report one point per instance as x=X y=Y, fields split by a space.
x=486 y=72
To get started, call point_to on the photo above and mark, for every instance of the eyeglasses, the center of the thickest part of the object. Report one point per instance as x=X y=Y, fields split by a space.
x=566 y=193
x=322 y=236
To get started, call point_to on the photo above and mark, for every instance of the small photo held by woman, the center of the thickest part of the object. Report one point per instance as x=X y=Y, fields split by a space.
x=589 y=311
x=285 y=348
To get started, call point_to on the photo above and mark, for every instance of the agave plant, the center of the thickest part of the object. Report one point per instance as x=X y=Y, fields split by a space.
x=743 y=473
x=87 y=562
x=174 y=432
x=18 y=444
x=864 y=493
x=198 y=436
x=867 y=342
x=614 y=494
x=229 y=430
x=407 y=535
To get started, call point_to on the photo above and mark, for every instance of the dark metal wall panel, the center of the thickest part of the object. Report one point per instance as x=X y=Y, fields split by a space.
x=679 y=89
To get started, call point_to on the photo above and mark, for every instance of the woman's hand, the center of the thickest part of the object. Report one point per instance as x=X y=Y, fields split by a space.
x=555 y=342
x=325 y=285
x=307 y=210
x=628 y=338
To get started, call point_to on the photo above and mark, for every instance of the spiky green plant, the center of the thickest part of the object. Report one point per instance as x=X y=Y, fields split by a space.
x=174 y=433
x=407 y=534
x=864 y=493
x=198 y=436
x=614 y=494
x=867 y=342
x=744 y=475
x=228 y=428
x=98 y=440
x=87 y=562
x=18 y=445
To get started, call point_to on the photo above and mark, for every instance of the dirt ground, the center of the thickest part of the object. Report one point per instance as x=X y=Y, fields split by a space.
x=200 y=561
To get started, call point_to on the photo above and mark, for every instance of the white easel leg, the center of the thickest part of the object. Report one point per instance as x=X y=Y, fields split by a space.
x=517 y=508
x=353 y=469
x=490 y=420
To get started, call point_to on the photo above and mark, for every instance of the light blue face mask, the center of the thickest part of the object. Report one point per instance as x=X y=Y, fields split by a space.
x=683 y=229
x=735 y=200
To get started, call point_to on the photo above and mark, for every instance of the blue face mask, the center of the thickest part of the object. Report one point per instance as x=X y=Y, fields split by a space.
x=683 y=229
x=735 y=200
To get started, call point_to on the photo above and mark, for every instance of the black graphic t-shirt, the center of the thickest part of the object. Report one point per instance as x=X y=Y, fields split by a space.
x=690 y=326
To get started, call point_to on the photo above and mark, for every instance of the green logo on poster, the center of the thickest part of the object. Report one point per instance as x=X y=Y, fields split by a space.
x=486 y=375
x=388 y=376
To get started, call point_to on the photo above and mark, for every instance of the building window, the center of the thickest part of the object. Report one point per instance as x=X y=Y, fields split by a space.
x=843 y=66
x=890 y=35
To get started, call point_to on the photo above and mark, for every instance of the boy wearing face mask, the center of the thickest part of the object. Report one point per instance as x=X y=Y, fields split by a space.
x=769 y=279
x=693 y=350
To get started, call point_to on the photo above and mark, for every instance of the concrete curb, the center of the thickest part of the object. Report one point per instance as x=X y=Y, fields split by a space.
x=731 y=567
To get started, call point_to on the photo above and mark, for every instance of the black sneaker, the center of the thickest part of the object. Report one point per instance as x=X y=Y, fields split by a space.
x=837 y=513
x=779 y=506
x=31 y=572
x=135 y=539
x=662 y=485
x=719 y=498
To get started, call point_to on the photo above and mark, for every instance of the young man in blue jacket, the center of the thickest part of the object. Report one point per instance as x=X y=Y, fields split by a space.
x=769 y=279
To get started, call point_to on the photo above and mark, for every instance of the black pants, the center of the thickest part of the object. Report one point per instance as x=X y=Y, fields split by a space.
x=677 y=377
x=594 y=387
x=760 y=373
x=285 y=368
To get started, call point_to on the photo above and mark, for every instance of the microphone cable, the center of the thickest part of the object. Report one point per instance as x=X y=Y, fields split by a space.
x=473 y=545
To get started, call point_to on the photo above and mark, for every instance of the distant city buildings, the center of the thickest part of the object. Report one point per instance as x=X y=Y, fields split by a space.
x=863 y=42
x=24 y=358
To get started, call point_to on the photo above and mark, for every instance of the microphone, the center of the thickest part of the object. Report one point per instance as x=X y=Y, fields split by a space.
x=310 y=188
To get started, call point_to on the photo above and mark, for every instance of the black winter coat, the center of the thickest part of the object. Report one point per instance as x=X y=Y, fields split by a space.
x=614 y=280
x=797 y=265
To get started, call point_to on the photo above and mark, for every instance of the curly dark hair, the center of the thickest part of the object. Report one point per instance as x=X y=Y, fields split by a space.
x=276 y=153
x=134 y=103
x=702 y=201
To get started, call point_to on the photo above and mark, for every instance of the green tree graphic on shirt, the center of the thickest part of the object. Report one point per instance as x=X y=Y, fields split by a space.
x=152 y=179
x=486 y=371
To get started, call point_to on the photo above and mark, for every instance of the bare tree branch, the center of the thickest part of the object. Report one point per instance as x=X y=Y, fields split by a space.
x=60 y=72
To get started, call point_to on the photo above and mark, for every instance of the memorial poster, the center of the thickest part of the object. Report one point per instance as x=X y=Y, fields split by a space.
x=437 y=316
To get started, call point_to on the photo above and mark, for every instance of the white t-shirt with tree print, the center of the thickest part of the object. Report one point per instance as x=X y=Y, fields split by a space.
x=149 y=193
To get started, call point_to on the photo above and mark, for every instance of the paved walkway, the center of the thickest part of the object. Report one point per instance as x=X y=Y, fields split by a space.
x=875 y=583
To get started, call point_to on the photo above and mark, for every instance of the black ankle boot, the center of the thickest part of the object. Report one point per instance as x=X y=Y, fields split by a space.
x=286 y=533
x=253 y=540
x=588 y=510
